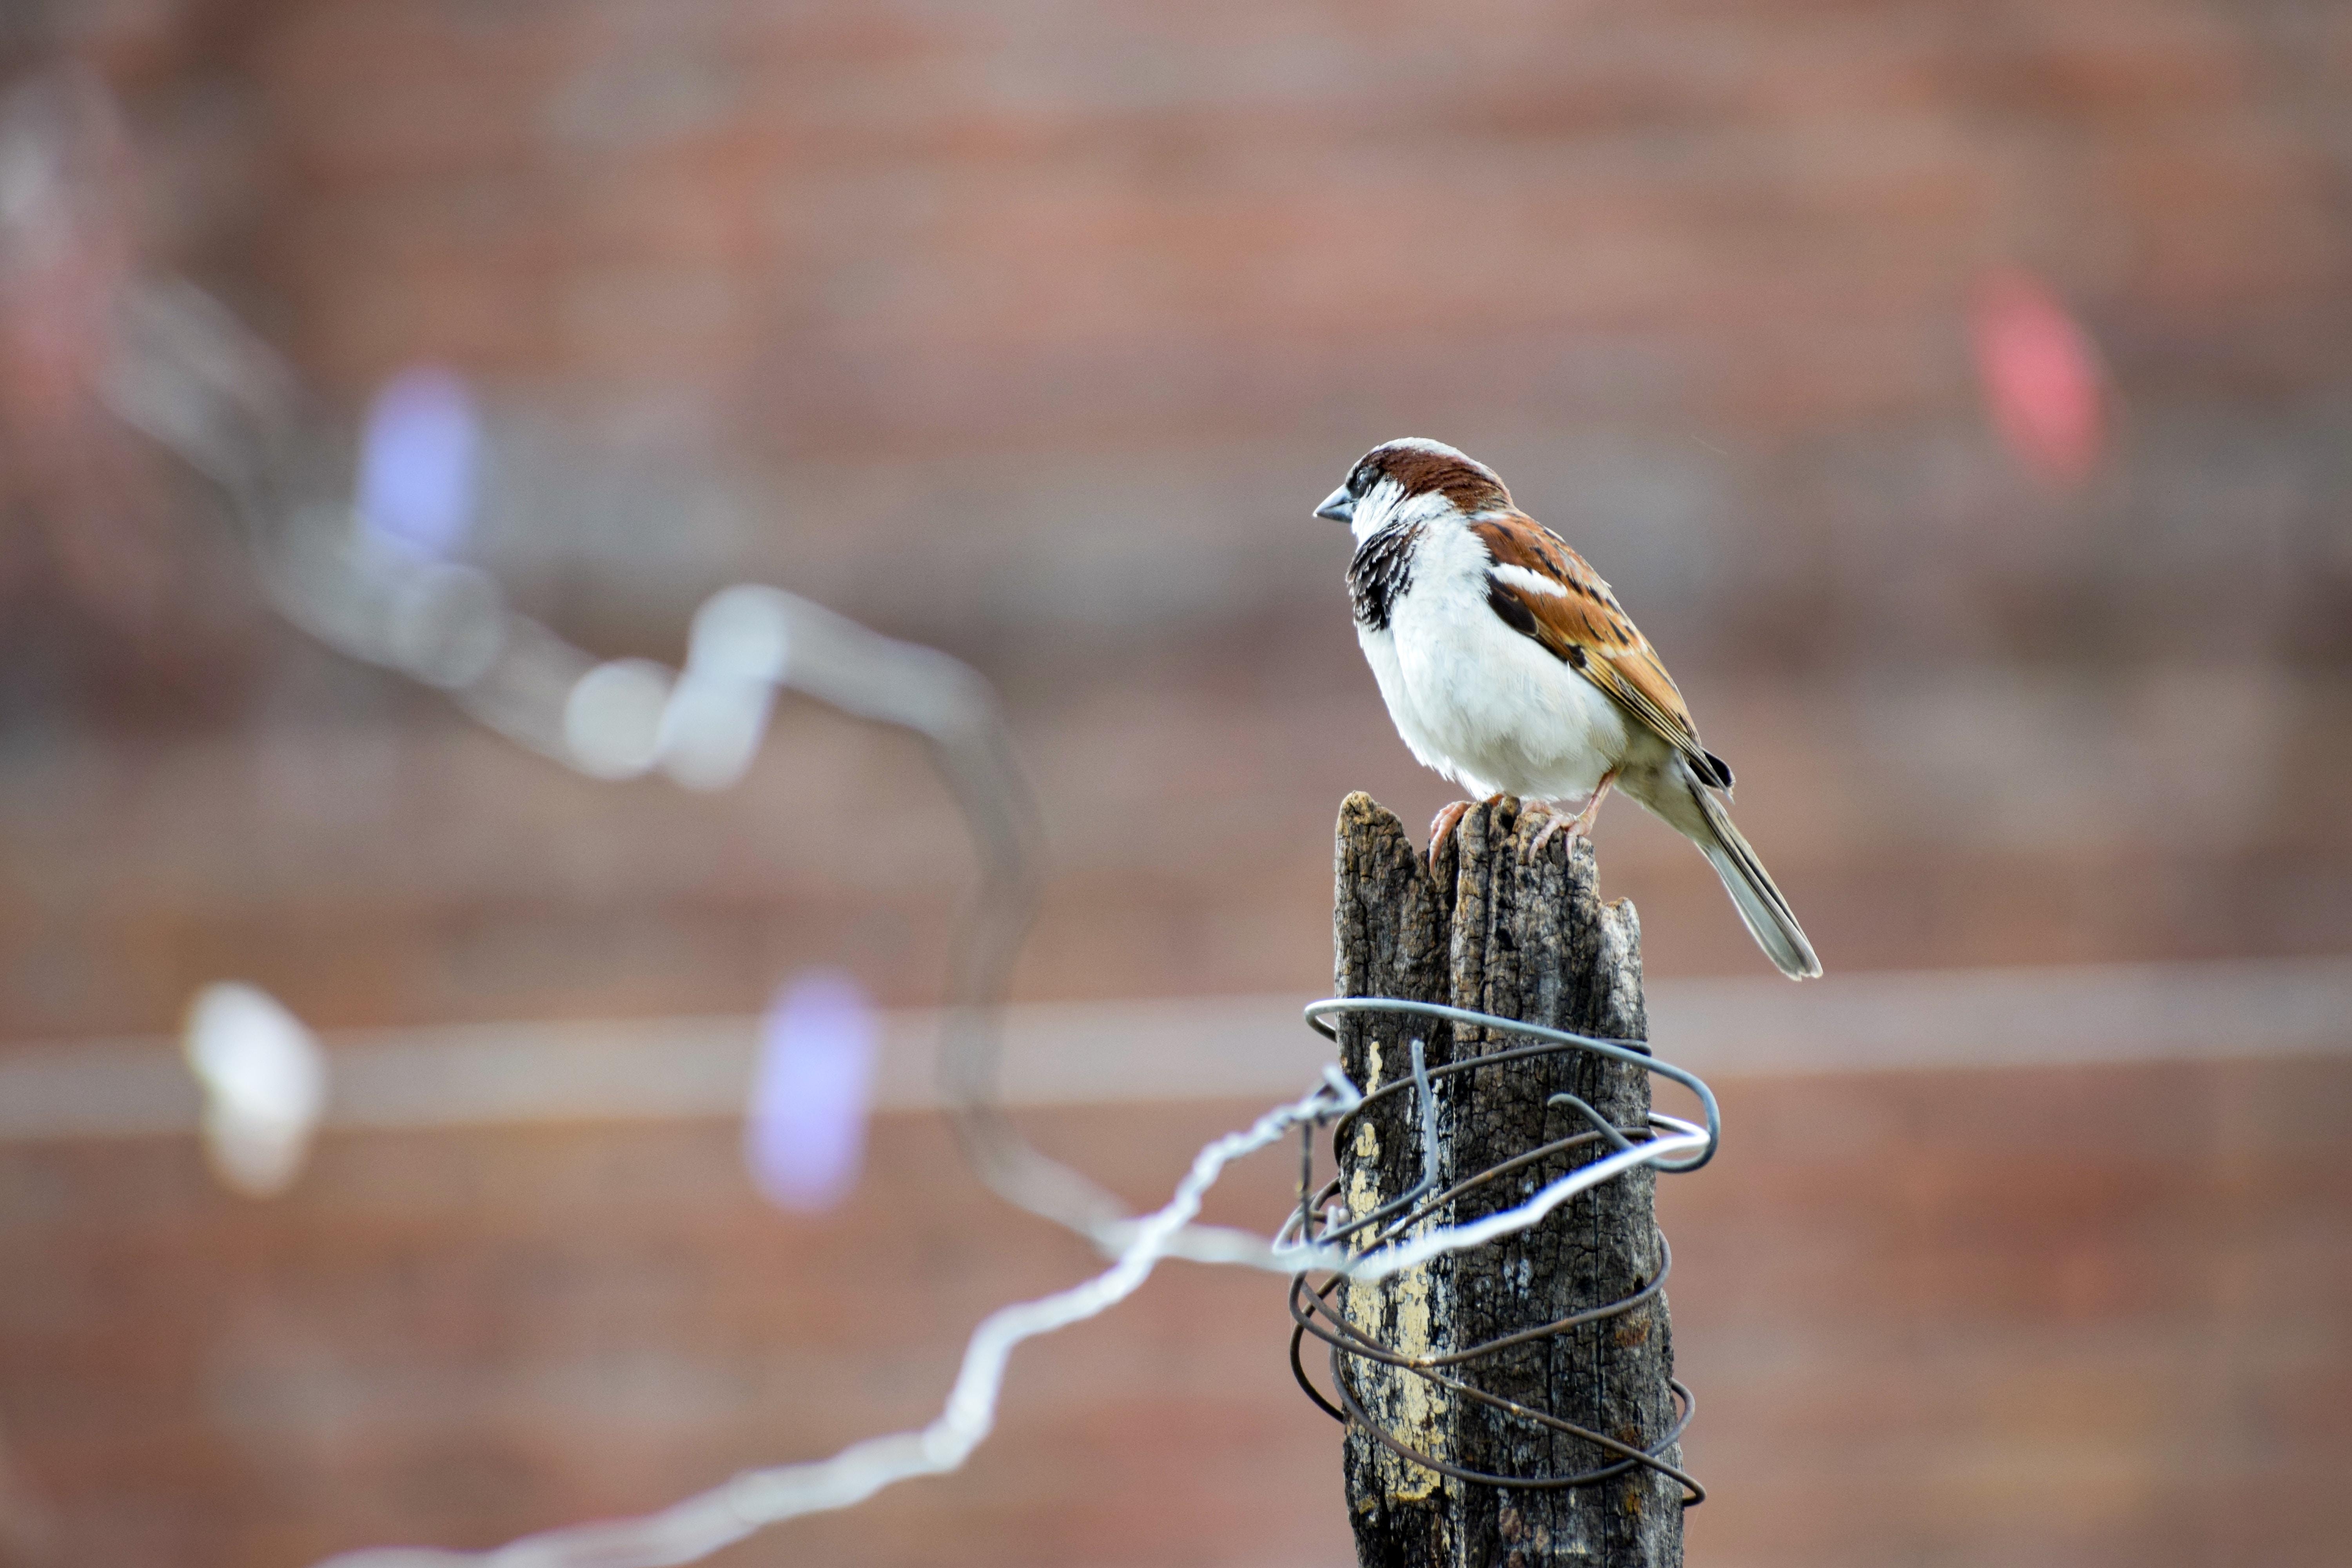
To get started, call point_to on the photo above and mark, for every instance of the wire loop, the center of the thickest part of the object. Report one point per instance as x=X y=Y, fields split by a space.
x=1314 y=1310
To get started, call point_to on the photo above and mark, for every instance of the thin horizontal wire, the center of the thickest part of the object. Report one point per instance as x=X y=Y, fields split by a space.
x=1223 y=1048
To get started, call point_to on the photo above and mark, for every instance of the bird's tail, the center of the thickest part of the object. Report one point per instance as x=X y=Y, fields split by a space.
x=1770 y=919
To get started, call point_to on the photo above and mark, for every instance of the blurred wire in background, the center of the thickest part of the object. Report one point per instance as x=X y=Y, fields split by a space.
x=187 y=374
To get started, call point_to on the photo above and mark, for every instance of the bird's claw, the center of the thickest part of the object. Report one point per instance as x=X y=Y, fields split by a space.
x=1441 y=828
x=1579 y=826
x=1555 y=819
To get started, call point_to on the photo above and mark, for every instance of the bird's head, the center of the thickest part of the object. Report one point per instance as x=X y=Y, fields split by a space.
x=1408 y=477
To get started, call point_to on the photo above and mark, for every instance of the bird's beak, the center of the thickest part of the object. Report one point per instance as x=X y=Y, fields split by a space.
x=1338 y=506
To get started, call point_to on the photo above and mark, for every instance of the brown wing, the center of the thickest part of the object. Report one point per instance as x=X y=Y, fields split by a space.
x=1585 y=626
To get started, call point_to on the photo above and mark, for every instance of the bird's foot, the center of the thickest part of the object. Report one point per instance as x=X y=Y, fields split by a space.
x=1578 y=827
x=1554 y=820
x=1441 y=828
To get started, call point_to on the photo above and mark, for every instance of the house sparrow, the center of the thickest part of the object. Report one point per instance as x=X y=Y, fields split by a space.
x=1510 y=667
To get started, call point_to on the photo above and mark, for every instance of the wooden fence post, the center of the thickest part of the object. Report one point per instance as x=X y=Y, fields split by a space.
x=1527 y=940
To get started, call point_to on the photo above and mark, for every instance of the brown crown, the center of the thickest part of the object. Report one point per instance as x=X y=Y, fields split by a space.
x=1419 y=469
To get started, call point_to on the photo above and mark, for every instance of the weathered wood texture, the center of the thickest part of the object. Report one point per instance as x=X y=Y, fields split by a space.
x=1531 y=940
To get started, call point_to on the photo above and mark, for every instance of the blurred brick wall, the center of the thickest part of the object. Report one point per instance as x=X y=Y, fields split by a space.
x=2085 y=1317
x=975 y=285
x=1035 y=329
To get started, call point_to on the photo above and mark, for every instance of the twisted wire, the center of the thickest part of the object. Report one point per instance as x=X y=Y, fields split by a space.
x=1314 y=1312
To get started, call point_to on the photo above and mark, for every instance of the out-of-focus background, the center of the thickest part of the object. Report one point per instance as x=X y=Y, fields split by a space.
x=1961 y=397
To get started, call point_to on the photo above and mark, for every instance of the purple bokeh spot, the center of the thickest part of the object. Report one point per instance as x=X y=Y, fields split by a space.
x=805 y=1137
x=417 y=461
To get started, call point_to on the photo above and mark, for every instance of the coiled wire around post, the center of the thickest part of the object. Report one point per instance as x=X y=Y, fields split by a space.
x=1314 y=1310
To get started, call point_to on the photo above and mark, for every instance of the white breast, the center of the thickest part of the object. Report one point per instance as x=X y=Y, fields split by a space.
x=1477 y=701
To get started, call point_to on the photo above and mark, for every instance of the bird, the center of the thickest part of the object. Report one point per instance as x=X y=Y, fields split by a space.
x=1509 y=668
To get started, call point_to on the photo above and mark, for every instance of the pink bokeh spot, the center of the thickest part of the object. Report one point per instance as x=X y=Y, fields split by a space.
x=2042 y=382
x=804 y=1136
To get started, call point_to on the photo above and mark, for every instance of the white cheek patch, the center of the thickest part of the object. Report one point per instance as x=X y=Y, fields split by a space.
x=1371 y=510
x=1383 y=504
x=1533 y=581
x=1426 y=507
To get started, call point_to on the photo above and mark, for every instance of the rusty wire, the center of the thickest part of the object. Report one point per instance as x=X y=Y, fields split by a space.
x=1313 y=1309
